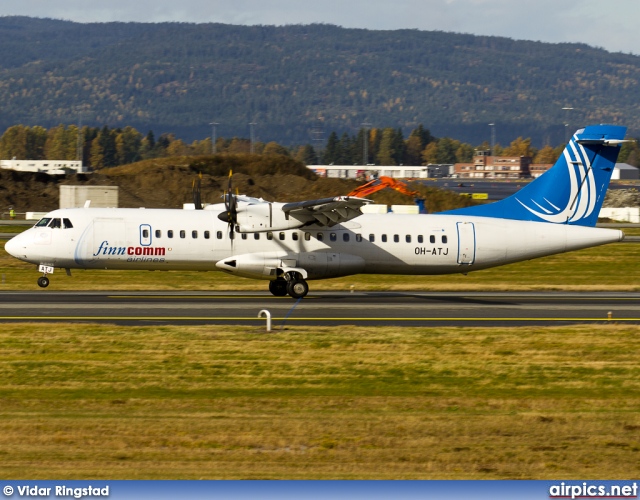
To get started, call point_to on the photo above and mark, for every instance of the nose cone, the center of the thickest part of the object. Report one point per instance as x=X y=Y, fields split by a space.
x=12 y=247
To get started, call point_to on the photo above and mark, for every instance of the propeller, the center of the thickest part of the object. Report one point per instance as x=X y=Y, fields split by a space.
x=230 y=215
x=195 y=191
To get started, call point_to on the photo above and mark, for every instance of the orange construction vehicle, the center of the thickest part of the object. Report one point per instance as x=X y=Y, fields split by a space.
x=387 y=182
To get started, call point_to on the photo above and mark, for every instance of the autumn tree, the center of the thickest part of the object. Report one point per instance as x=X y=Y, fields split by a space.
x=13 y=143
x=520 y=147
x=128 y=145
x=386 y=152
x=96 y=157
x=62 y=143
x=307 y=155
x=430 y=154
x=546 y=155
x=273 y=148
x=331 y=150
x=414 y=150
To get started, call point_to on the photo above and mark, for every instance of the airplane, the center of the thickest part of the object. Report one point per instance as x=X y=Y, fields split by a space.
x=289 y=244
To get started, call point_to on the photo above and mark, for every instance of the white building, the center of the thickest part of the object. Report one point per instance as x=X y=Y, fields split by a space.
x=51 y=167
x=370 y=171
x=624 y=171
x=99 y=196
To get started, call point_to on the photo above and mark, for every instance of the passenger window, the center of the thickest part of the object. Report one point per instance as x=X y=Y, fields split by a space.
x=420 y=239
x=372 y=238
x=269 y=235
x=145 y=233
x=407 y=238
x=158 y=233
x=43 y=222
x=432 y=239
x=444 y=239
x=207 y=235
x=244 y=236
x=307 y=236
x=67 y=224
x=256 y=236
x=345 y=237
x=170 y=233
x=320 y=236
x=396 y=238
x=281 y=236
x=194 y=234
x=333 y=237
x=358 y=237
x=384 y=238
x=294 y=236
x=219 y=235
x=183 y=234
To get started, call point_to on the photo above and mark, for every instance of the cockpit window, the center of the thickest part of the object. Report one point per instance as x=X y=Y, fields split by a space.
x=67 y=224
x=55 y=223
x=43 y=222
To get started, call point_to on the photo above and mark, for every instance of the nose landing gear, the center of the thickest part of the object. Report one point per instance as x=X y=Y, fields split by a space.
x=43 y=281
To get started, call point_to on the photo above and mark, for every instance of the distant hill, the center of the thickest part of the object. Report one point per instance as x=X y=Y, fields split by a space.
x=299 y=83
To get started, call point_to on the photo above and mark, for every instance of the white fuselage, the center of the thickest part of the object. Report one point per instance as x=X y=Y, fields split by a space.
x=157 y=239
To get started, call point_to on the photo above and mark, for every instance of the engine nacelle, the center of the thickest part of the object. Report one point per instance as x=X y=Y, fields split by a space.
x=265 y=217
x=311 y=265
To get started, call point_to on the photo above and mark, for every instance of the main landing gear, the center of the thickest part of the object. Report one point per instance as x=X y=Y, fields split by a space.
x=294 y=286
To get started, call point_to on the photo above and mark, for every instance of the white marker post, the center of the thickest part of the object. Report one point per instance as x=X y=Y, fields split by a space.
x=266 y=314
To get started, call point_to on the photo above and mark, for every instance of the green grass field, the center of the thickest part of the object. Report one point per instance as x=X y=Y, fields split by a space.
x=93 y=402
x=98 y=401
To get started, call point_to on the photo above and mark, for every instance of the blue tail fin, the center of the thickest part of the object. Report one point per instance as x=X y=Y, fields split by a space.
x=572 y=191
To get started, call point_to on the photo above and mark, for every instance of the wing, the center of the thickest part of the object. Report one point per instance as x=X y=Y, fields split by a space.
x=326 y=211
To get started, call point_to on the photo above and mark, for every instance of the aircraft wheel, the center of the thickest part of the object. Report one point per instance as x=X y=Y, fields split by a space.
x=297 y=288
x=278 y=287
x=43 y=282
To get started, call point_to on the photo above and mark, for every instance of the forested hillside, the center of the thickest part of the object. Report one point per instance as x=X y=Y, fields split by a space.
x=299 y=83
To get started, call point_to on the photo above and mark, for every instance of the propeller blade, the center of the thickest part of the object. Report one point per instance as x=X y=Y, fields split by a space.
x=230 y=216
x=195 y=190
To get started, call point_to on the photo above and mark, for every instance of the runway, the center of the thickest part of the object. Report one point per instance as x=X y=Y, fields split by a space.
x=323 y=308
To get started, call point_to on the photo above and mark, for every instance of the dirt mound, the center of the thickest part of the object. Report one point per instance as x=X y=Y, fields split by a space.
x=167 y=183
x=617 y=198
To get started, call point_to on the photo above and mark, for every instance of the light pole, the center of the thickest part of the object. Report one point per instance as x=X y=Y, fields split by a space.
x=365 y=146
x=213 y=137
x=493 y=139
x=253 y=139
x=566 y=125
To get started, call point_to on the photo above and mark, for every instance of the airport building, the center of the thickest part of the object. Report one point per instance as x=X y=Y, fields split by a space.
x=51 y=167
x=485 y=166
x=369 y=172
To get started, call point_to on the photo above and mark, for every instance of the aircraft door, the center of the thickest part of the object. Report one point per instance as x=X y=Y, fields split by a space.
x=466 y=243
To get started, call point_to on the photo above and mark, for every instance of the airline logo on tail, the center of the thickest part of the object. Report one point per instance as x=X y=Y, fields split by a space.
x=582 y=193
